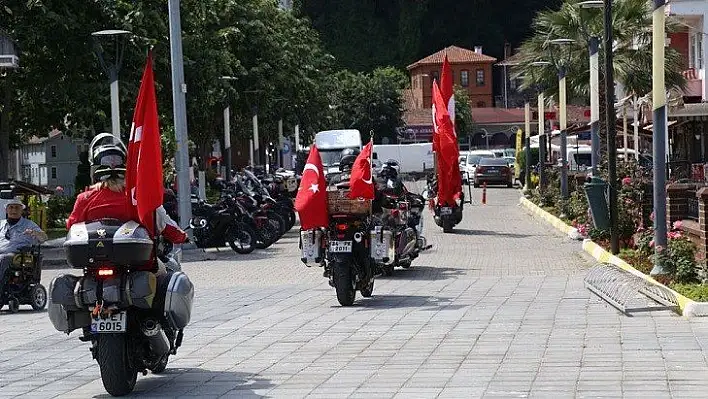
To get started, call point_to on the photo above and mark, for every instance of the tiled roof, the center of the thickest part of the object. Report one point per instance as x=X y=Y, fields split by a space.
x=455 y=55
x=488 y=116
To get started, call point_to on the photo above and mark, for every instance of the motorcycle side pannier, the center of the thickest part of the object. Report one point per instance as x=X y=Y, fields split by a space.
x=107 y=241
x=311 y=246
x=64 y=313
x=178 y=300
x=382 y=249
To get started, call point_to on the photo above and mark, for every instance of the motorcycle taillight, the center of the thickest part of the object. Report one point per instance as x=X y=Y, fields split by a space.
x=341 y=226
x=105 y=272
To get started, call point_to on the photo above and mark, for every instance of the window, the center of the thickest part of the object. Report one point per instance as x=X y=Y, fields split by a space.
x=54 y=151
x=480 y=77
x=54 y=172
x=465 y=78
x=512 y=84
x=434 y=75
x=481 y=104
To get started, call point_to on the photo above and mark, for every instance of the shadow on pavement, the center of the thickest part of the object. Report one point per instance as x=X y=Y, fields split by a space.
x=393 y=301
x=425 y=273
x=470 y=232
x=173 y=381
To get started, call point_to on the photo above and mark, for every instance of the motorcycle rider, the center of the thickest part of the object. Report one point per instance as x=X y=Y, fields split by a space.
x=346 y=163
x=107 y=198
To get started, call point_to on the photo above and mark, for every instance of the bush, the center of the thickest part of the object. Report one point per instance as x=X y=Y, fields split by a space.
x=697 y=292
x=58 y=210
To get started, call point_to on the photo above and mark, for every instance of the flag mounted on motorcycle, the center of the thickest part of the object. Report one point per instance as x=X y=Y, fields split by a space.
x=448 y=95
x=143 y=177
x=361 y=181
x=311 y=199
x=448 y=151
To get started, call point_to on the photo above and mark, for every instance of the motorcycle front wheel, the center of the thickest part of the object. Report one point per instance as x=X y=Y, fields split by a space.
x=241 y=238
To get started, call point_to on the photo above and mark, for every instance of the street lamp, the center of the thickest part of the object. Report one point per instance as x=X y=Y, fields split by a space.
x=561 y=66
x=112 y=68
x=8 y=61
x=593 y=49
x=227 y=131
x=541 y=130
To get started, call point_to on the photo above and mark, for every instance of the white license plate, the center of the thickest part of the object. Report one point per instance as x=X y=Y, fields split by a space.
x=115 y=323
x=340 y=246
x=446 y=210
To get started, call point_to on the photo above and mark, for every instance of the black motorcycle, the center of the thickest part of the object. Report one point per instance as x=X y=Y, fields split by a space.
x=446 y=216
x=216 y=225
x=133 y=319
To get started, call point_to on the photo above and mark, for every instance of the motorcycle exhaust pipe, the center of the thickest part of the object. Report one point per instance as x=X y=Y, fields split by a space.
x=159 y=343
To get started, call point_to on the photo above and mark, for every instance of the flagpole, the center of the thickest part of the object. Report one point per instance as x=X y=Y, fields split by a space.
x=371 y=168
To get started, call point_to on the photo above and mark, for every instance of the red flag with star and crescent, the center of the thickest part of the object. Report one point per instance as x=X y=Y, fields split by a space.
x=143 y=175
x=311 y=199
x=448 y=174
x=361 y=181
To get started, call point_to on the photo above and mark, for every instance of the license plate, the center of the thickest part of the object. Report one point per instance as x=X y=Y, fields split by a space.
x=115 y=323
x=493 y=171
x=446 y=210
x=340 y=246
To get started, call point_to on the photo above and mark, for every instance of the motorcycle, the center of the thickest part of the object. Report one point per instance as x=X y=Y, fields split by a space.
x=449 y=215
x=348 y=248
x=133 y=319
x=214 y=226
x=269 y=192
x=402 y=215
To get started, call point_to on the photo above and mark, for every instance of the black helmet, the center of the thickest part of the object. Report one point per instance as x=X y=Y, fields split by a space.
x=107 y=156
x=390 y=169
x=346 y=160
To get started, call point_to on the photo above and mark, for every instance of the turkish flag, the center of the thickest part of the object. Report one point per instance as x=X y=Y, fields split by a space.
x=311 y=199
x=448 y=95
x=448 y=169
x=143 y=175
x=361 y=181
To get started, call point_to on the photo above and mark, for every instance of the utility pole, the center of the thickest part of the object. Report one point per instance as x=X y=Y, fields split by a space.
x=179 y=91
x=611 y=127
x=659 y=139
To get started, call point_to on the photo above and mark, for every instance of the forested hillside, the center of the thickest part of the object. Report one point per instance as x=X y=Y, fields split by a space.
x=363 y=34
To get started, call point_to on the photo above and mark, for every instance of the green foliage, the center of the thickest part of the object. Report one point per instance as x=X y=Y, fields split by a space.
x=365 y=34
x=464 y=125
x=697 y=292
x=368 y=101
x=58 y=210
x=83 y=173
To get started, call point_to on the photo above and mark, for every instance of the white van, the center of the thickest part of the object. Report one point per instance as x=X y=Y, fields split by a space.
x=330 y=144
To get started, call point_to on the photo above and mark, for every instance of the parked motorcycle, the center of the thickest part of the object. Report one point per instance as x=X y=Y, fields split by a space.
x=217 y=225
x=133 y=318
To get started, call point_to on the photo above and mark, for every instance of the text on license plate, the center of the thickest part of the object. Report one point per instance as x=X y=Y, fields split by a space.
x=115 y=323
x=340 y=246
x=446 y=210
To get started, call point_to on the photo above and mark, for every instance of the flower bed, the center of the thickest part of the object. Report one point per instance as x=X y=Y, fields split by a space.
x=636 y=233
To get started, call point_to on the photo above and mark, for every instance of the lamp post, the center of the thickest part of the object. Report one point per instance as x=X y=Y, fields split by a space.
x=593 y=49
x=9 y=60
x=112 y=69
x=227 y=132
x=541 y=131
x=562 y=103
x=179 y=106
x=611 y=128
x=659 y=144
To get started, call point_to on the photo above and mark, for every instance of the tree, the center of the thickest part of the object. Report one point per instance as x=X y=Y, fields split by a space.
x=632 y=30
x=463 y=114
x=368 y=102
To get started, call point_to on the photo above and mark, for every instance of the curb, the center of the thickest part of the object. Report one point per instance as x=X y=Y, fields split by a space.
x=688 y=307
x=560 y=225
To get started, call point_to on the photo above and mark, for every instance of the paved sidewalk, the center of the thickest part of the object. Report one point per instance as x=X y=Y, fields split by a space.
x=497 y=310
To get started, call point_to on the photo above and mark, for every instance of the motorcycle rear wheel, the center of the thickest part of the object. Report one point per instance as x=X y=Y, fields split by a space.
x=344 y=283
x=118 y=375
x=279 y=220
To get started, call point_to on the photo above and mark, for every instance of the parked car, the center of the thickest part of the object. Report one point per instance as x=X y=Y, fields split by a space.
x=493 y=171
x=469 y=165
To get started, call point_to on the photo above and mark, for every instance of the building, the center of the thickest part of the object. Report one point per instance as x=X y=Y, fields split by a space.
x=690 y=15
x=471 y=70
x=49 y=161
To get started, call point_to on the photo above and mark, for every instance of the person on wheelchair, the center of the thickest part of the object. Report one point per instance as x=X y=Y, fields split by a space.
x=17 y=234
x=107 y=198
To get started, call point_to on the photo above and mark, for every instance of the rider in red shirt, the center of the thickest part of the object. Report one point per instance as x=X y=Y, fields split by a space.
x=107 y=198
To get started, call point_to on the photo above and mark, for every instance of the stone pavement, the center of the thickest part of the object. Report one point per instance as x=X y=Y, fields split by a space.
x=497 y=310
